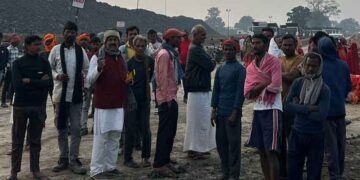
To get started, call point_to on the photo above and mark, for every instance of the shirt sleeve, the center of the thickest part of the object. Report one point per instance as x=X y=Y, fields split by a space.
x=290 y=105
x=324 y=105
x=93 y=73
x=216 y=89
x=161 y=72
x=44 y=83
x=202 y=59
x=239 y=99
x=52 y=62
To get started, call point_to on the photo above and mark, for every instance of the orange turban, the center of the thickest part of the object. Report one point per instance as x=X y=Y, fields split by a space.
x=84 y=36
x=52 y=38
x=232 y=43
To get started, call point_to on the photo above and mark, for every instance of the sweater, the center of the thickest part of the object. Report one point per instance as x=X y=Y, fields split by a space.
x=110 y=87
x=198 y=69
x=228 y=92
x=34 y=93
x=306 y=121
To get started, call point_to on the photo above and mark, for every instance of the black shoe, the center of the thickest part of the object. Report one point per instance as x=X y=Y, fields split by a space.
x=114 y=173
x=131 y=164
x=12 y=177
x=76 y=167
x=84 y=132
x=63 y=164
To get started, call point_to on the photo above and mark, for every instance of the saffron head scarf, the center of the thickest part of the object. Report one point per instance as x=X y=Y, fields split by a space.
x=49 y=41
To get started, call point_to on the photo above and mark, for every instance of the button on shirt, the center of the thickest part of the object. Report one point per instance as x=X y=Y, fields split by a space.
x=70 y=61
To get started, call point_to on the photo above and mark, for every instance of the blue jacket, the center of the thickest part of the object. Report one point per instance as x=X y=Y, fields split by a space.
x=336 y=75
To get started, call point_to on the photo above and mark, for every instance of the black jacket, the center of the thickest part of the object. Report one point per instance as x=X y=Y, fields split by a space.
x=4 y=57
x=198 y=69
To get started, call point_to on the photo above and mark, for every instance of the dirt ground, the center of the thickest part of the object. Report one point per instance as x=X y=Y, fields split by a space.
x=202 y=169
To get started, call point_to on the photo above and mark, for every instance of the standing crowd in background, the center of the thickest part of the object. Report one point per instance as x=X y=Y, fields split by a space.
x=298 y=100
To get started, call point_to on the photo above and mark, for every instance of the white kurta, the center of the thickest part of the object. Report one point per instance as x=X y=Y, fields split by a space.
x=108 y=124
x=199 y=134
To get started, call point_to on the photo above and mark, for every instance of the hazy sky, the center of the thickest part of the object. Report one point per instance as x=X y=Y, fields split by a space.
x=259 y=9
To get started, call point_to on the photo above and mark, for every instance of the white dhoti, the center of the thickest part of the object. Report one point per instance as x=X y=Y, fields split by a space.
x=199 y=134
x=108 y=124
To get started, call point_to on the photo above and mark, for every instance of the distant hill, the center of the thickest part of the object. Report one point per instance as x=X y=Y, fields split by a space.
x=43 y=16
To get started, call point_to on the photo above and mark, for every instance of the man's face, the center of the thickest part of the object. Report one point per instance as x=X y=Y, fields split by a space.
x=152 y=38
x=258 y=46
x=268 y=34
x=229 y=52
x=200 y=36
x=69 y=36
x=312 y=66
x=175 y=41
x=288 y=47
x=95 y=45
x=278 y=41
x=131 y=35
x=140 y=47
x=34 y=47
x=112 y=43
x=84 y=43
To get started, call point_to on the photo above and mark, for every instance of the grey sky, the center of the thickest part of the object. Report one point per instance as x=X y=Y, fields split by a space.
x=259 y=9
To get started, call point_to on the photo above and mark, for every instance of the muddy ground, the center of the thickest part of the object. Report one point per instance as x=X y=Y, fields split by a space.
x=201 y=169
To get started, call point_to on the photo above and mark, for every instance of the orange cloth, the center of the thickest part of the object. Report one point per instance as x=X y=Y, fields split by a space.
x=342 y=52
x=353 y=59
x=53 y=43
x=84 y=36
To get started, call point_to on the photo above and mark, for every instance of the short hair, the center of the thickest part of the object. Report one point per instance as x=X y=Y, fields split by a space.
x=70 y=26
x=196 y=28
x=92 y=35
x=32 y=38
x=139 y=38
x=289 y=36
x=131 y=28
x=320 y=34
x=263 y=38
x=268 y=29
x=151 y=31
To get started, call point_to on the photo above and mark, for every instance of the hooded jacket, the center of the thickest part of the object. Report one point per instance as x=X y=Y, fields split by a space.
x=336 y=75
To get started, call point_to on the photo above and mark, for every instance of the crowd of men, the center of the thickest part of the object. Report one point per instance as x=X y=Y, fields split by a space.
x=298 y=111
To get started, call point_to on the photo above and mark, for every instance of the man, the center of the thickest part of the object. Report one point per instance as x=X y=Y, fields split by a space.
x=127 y=50
x=154 y=45
x=95 y=44
x=168 y=75
x=183 y=51
x=69 y=64
x=32 y=79
x=13 y=55
x=199 y=135
x=268 y=32
x=83 y=41
x=142 y=66
x=4 y=58
x=290 y=67
x=49 y=42
x=108 y=74
x=337 y=76
x=227 y=101
x=309 y=100
x=263 y=85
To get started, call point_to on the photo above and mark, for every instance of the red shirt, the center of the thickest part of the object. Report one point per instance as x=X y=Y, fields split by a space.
x=184 y=49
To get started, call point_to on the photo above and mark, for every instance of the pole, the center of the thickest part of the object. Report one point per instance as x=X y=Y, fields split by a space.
x=165 y=7
x=137 y=5
x=228 y=11
x=77 y=15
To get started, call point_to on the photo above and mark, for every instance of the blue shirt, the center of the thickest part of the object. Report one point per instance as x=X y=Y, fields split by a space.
x=306 y=121
x=228 y=92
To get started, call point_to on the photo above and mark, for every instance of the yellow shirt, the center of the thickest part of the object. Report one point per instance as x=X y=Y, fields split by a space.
x=130 y=51
x=291 y=65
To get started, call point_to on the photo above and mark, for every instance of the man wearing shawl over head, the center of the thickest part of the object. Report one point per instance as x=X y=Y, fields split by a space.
x=108 y=73
x=69 y=65
x=49 y=41
x=263 y=85
x=309 y=100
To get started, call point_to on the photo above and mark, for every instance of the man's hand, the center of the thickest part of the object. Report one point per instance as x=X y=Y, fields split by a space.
x=213 y=117
x=313 y=108
x=62 y=77
x=45 y=77
x=101 y=64
x=26 y=80
x=232 y=118
x=256 y=91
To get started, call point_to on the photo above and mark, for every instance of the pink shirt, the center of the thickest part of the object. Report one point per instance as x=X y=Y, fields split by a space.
x=165 y=77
